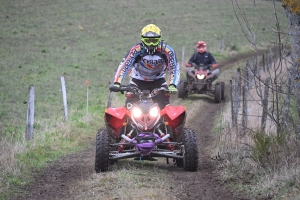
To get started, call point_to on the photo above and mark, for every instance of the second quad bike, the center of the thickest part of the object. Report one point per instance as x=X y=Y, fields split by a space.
x=143 y=131
x=199 y=81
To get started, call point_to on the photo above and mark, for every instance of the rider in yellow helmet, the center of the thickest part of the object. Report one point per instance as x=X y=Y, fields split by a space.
x=147 y=63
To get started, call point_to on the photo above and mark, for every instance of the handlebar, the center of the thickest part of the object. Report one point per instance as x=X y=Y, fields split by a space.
x=122 y=88
x=201 y=66
x=137 y=91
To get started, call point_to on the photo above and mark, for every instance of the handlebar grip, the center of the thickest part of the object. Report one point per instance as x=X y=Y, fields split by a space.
x=114 y=88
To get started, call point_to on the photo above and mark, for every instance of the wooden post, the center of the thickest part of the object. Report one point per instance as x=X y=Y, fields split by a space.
x=232 y=104
x=64 y=94
x=248 y=73
x=251 y=71
x=270 y=58
x=239 y=84
x=111 y=94
x=30 y=114
x=257 y=67
x=222 y=43
x=236 y=102
x=245 y=108
x=264 y=62
x=182 y=57
x=286 y=109
x=265 y=105
x=87 y=82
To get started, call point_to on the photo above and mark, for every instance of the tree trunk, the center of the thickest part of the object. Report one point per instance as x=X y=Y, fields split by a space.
x=292 y=8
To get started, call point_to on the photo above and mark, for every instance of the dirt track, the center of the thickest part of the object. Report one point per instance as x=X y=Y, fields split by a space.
x=205 y=184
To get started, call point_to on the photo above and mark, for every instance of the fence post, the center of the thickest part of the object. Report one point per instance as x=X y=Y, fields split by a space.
x=265 y=105
x=257 y=67
x=287 y=103
x=239 y=85
x=30 y=114
x=232 y=105
x=264 y=62
x=252 y=72
x=64 y=93
x=182 y=56
x=111 y=94
x=245 y=108
x=222 y=43
x=236 y=101
x=270 y=59
x=87 y=82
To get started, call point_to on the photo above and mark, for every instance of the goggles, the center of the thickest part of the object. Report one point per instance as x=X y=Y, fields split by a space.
x=151 y=41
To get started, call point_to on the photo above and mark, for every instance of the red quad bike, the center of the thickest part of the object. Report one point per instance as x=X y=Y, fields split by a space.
x=200 y=82
x=144 y=132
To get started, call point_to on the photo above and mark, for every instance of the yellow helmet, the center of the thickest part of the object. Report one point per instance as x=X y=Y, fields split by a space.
x=150 y=36
x=153 y=32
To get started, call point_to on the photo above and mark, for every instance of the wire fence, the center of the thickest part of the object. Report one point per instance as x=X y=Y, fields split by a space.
x=266 y=82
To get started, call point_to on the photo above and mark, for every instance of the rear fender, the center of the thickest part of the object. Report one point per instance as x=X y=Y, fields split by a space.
x=115 y=118
x=174 y=115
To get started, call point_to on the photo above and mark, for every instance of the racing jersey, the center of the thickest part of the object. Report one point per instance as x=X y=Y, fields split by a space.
x=143 y=66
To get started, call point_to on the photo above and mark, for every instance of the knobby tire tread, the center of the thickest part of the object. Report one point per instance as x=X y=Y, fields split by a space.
x=102 y=151
x=218 y=93
x=191 y=150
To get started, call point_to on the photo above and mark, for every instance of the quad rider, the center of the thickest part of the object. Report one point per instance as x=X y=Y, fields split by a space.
x=147 y=62
x=202 y=57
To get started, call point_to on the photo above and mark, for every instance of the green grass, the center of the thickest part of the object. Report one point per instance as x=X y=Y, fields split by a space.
x=40 y=41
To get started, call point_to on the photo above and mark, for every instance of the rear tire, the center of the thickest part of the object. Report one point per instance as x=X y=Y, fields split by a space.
x=102 y=151
x=218 y=93
x=191 y=157
x=182 y=92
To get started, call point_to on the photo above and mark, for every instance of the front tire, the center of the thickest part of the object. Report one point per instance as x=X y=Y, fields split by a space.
x=222 y=90
x=191 y=157
x=218 y=93
x=102 y=151
x=182 y=91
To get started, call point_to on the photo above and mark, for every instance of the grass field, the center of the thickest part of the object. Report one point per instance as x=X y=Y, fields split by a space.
x=40 y=41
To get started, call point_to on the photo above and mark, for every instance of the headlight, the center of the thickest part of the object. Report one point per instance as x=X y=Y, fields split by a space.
x=154 y=112
x=136 y=112
x=200 y=76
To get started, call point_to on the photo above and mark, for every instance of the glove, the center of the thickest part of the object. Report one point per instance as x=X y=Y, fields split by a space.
x=188 y=65
x=117 y=84
x=115 y=87
x=172 y=89
x=214 y=65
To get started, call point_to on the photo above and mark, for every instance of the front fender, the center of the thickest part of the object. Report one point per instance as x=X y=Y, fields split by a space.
x=174 y=115
x=115 y=117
